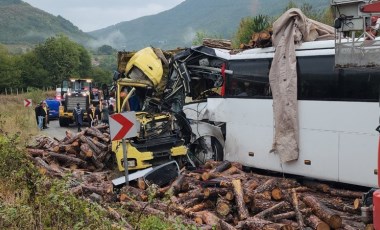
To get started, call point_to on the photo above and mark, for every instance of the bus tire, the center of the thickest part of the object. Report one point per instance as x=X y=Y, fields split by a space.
x=206 y=148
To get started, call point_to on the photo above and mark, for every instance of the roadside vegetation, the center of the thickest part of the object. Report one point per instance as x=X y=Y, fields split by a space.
x=31 y=200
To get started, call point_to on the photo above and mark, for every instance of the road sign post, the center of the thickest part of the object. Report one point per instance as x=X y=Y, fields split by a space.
x=124 y=144
x=28 y=102
x=122 y=127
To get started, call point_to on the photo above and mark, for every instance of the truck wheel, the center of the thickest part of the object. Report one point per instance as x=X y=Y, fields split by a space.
x=206 y=148
x=63 y=122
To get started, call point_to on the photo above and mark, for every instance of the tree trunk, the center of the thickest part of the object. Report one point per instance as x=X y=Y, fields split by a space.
x=253 y=223
x=223 y=207
x=217 y=43
x=294 y=201
x=316 y=223
x=321 y=211
x=270 y=211
x=238 y=190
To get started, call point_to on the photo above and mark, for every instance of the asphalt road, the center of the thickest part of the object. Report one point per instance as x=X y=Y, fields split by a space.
x=58 y=132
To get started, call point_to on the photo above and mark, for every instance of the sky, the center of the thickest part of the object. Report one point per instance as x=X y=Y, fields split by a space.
x=89 y=15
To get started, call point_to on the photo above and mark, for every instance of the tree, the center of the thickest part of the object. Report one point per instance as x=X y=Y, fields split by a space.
x=63 y=58
x=106 y=49
x=32 y=72
x=248 y=26
x=9 y=71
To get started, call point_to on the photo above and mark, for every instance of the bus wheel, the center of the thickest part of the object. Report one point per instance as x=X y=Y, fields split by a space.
x=206 y=148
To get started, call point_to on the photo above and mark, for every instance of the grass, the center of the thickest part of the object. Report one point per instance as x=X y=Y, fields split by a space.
x=30 y=200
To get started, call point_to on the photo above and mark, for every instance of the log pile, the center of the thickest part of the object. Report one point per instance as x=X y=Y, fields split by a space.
x=217 y=43
x=222 y=195
x=219 y=195
x=259 y=40
x=89 y=150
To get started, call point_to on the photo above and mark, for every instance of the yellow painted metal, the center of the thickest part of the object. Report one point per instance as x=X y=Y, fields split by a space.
x=132 y=153
x=178 y=151
x=148 y=62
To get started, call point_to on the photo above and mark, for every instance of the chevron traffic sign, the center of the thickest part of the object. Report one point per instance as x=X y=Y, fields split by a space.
x=123 y=125
x=27 y=102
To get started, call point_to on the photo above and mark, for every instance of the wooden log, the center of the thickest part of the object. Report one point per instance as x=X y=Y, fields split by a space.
x=190 y=202
x=223 y=207
x=270 y=211
x=36 y=152
x=276 y=194
x=230 y=196
x=251 y=185
x=346 y=193
x=222 y=167
x=290 y=215
x=196 y=193
x=213 y=220
x=287 y=183
x=91 y=145
x=317 y=186
x=357 y=204
x=85 y=148
x=316 y=223
x=141 y=183
x=99 y=144
x=74 y=138
x=294 y=202
x=213 y=173
x=217 y=43
x=96 y=133
x=239 y=194
x=175 y=187
x=253 y=223
x=336 y=205
x=67 y=159
x=45 y=168
x=357 y=225
x=267 y=186
x=199 y=207
x=213 y=192
x=133 y=192
x=322 y=212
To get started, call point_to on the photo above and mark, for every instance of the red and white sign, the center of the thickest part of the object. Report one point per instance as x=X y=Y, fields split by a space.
x=123 y=125
x=27 y=102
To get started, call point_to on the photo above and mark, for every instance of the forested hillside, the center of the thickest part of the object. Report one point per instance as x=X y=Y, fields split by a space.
x=177 y=27
x=20 y=23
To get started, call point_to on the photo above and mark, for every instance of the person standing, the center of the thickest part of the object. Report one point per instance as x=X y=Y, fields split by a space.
x=105 y=113
x=46 y=118
x=98 y=114
x=91 y=115
x=78 y=113
x=41 y=114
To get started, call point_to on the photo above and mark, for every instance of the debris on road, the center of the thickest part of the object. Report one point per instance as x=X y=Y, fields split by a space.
x=217 y=194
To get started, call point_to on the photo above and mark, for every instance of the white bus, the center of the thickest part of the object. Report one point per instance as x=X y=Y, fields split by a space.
x=338 y=112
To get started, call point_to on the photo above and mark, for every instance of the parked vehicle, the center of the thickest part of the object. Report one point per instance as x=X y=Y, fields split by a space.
x=53 y=106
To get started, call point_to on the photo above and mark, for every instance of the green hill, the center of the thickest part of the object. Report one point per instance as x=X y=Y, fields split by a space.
x=20 y=23
x=177 y=27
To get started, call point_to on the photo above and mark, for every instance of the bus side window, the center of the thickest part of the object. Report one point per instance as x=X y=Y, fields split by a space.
x=250 y=78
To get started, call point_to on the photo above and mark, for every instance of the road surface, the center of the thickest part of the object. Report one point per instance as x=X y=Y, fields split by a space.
x=58 y=132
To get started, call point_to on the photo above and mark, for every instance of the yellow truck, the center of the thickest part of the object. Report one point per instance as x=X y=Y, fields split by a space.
x=75 y=90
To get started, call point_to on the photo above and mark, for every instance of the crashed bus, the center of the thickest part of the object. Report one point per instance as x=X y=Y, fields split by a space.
x=337 y=113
